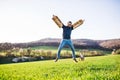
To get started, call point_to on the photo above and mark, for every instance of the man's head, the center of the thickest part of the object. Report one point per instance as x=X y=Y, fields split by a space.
x=69 y=24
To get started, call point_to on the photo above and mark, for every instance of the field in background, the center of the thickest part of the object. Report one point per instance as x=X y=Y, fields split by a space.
x=93 y=68
x=45 y=53
x=54 y=49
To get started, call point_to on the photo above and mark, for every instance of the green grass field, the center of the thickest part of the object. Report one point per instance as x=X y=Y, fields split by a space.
x=93 y=68
x=55 y=49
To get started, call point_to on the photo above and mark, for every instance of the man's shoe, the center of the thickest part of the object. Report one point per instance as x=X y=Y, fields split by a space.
x=75 y=60
x=56 y=59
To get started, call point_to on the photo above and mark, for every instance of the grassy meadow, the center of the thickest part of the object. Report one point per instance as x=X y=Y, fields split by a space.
x=93 y=68
x=64 y=50
x=47 y=52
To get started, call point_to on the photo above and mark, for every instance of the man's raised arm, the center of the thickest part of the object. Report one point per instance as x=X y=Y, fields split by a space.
x=78 y=23
x=57 y=21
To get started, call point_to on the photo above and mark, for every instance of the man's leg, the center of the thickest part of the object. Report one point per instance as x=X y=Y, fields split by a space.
x=73 y=50
x=60 y=48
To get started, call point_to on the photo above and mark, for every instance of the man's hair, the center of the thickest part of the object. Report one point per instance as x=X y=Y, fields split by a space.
x=69 y=21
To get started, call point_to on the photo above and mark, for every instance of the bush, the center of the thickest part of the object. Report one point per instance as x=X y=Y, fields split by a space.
x=117 y=51
x=92 y=53
x=49 y=54
x=66 y=54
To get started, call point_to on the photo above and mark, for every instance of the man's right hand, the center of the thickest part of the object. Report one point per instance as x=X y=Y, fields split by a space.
x=57 y=21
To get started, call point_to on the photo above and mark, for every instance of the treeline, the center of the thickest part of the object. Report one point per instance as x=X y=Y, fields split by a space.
x=110 y=44
x=6 y=46
x=78 y=43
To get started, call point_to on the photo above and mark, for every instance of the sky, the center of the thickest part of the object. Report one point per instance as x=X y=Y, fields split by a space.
x=31 y=20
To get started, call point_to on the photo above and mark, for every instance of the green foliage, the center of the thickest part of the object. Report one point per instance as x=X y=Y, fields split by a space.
x=92 y=53
x=45 y=52
x=49 y=52
x=117 y=51
x=93 y=68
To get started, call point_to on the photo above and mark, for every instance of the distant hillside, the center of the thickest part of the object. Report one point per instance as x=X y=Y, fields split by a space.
x=110 y=44
x=78 y=43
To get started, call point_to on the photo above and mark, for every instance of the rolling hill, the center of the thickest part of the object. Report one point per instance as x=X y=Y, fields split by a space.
x=78 y=43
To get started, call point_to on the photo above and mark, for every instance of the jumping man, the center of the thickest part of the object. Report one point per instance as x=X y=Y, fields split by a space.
x=67 y=30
